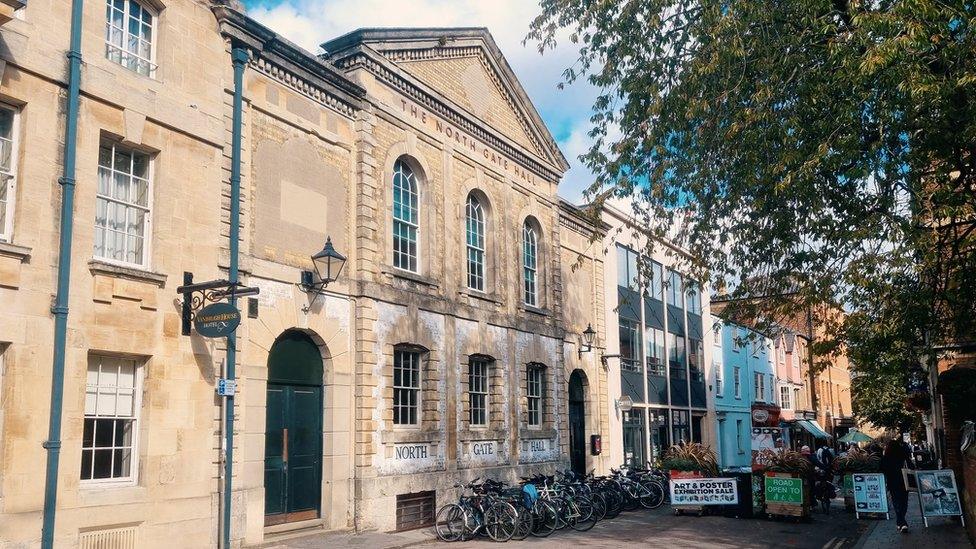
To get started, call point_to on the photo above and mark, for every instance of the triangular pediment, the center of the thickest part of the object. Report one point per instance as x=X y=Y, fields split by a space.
x=466 y=68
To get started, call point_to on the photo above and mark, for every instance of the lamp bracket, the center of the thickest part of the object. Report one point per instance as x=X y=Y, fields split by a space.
x=197 y=296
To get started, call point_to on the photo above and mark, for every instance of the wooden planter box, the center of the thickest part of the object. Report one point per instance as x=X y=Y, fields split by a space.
x=801 y=508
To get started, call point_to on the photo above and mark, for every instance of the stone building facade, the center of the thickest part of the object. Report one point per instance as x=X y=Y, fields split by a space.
x=449 y=347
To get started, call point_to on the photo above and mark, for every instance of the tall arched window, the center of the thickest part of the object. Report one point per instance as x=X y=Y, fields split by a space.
x=475 y=231
x=530 y=259
x=406 y=217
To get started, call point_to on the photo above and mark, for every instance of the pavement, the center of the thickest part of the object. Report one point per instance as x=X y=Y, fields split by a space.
x=941 y=532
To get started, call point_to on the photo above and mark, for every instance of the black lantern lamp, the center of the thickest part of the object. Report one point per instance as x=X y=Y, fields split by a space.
x=328 y=264
x=587 y=344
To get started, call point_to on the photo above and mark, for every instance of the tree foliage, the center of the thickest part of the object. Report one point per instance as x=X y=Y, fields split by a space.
x=811 y=151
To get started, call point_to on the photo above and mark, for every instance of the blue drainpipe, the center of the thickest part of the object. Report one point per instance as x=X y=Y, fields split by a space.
x=239 y=59
x=60 y=309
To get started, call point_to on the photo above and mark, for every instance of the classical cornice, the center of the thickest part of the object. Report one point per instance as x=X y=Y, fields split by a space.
x=363 y=57
x=289 y=64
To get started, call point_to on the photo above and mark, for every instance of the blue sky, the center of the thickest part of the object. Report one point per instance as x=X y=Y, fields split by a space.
x=566 y=112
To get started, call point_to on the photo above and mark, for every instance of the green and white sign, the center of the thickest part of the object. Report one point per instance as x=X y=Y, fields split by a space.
x=784 y=490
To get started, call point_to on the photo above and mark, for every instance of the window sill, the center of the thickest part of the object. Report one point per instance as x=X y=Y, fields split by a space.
x=481 y=296
x=408 y=276
x=22 y=253
x=98 y=267
x=535 y=310
x=399 y=435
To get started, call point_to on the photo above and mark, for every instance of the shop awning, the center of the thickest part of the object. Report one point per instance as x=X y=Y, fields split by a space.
x=813 y=428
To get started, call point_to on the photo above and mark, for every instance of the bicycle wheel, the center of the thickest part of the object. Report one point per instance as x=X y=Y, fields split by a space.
x=651 y=494
x=501 y=521
x=614 y=503
x=544 y=519
x=631 y=499
x=582 y=514
x=599 y=505
x=562 y=512
x=525 y=524
x=451 y=522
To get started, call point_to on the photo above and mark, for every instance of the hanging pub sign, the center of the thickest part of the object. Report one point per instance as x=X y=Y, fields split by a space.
x=217 y=320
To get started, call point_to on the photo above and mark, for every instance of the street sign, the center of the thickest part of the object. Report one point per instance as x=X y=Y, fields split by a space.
x=226 y=387
x=869 y=493
x=217 y=320
x=785 y=490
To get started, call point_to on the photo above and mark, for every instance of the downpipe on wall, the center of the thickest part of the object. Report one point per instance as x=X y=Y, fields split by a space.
x=60 y=308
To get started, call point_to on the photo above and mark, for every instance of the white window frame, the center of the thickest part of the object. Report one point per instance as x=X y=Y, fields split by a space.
x=484 y=391
x=402 y=169
x=785 y=394
x=9 y=205
x=123 y=52
x=530 y=272
x=535 y=391
x=719 y=380
x=475 y=227
x=739 y=436
x=737 y=381
x=138 y=367
x=416 y=390
x=147 y=234
x=735 y=339
x=759 y=385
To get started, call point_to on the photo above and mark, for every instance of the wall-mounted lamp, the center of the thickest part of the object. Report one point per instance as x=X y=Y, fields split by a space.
x=328 y=264
x=587 y=344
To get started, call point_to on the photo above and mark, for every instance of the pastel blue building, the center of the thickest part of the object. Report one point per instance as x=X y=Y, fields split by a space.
x=743 y=373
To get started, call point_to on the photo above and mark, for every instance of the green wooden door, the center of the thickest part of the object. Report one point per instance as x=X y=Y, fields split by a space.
x=293 y=453
x=293 y=431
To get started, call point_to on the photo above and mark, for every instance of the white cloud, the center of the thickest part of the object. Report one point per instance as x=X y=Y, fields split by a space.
x=309 y=23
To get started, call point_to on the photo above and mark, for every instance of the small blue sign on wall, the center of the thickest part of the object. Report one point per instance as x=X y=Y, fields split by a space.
x=217 y=320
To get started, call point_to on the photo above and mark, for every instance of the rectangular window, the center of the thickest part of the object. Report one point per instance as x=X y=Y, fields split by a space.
x=654 y=351
x=112 y=395
x=630 y=345
x=680 y=426
x=530 y=260
x=735 y=339
x=694 y=298
x=759 y=384
x=718 y=379
x=739 y=436
x=406 y=387
x=534 y=392
x=675 y=289
x=784 y=398
x=796 y=399
x=628 y=275
x=696 y=359
x=737 y=381
x=129 y=30
x=123 y=205
x=478 y=391
x=8 y=170
x=676 y=356
x=657 y=281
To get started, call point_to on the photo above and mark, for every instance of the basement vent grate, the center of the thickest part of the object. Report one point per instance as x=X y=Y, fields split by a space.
x=415 y=510
x=109 y=538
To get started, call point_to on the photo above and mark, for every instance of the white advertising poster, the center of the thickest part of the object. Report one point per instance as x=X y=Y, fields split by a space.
x=938 y=493
x=869 y=493
x=704 y=491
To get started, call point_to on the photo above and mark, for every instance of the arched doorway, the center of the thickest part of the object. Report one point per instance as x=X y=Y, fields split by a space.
x=577 y=422
x=293 y=431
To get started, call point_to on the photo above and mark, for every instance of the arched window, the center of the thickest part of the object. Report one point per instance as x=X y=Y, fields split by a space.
x=530 y=264
x=475 y=238
x=406 y=217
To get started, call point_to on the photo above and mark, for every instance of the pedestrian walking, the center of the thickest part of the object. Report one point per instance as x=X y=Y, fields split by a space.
x=897 y=457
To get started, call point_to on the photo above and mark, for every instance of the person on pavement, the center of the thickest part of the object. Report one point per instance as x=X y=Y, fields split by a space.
x=897 y=457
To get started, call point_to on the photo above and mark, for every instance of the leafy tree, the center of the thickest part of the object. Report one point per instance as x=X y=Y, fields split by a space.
x=814 y=152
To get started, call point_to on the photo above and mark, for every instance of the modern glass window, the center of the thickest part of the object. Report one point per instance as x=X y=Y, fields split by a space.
x=680 y=426
x=129 y=31
x=696 y=362
x=112 y=393
x=406 y=387
x=674 y=289
x=737 y=381
x=627 y=271
x=676 y=356
x=534 y=392
x=123 y=205
x=530 y=258
x=694 y=299
x=406 y=218
x=478 y=391
x=633 y=436
x=630 y=345
x=654 y=351
x=475 y=231
x=8 y=171
x=657 y=281
x=784 y=398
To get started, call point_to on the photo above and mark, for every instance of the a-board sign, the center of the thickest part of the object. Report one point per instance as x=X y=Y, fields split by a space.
x=938 y=494
x=704 y=491
x=784 y=490
x=869 y=493
x=217 y=320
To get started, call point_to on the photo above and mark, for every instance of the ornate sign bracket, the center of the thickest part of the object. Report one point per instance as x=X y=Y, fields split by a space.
x=197 y=296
